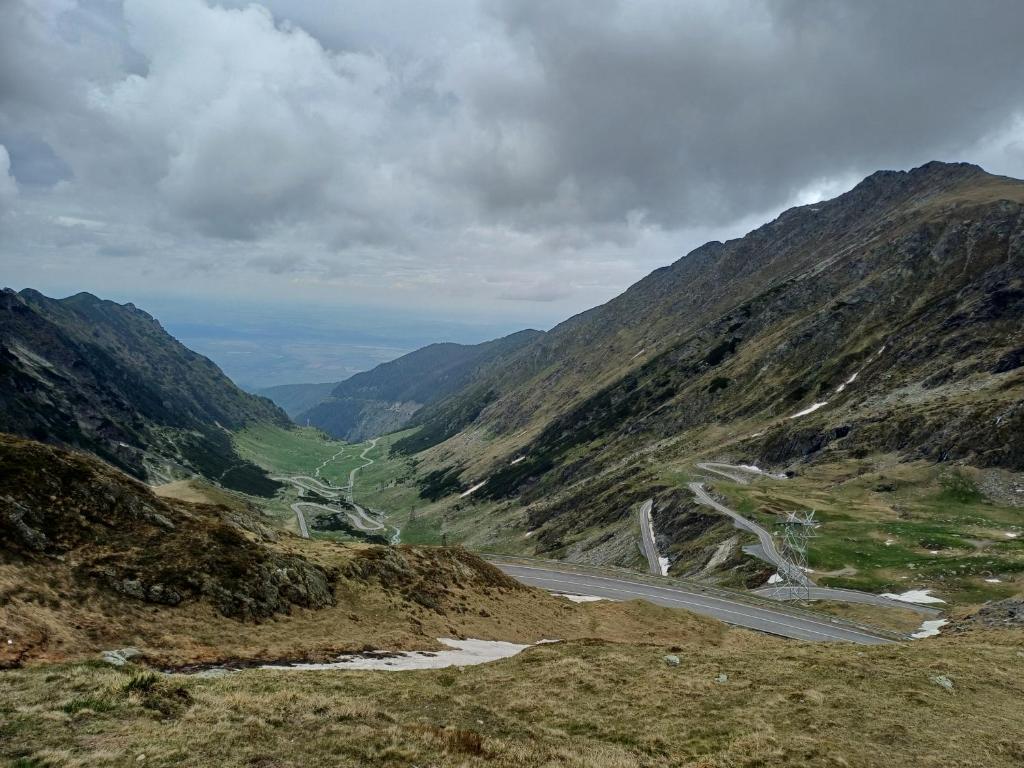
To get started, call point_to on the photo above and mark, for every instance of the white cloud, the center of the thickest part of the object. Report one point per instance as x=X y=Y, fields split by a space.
x=8 y=185
x=455 y=153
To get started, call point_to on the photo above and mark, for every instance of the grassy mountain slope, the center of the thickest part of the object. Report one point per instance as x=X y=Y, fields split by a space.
x=385 y=398
x=295 y=399
x=107 y=378
x=894 y=311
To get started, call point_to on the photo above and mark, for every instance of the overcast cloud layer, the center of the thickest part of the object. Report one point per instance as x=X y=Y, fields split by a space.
x=519 y=158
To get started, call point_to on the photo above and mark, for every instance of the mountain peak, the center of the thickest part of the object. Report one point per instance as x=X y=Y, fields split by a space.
x=934 y=172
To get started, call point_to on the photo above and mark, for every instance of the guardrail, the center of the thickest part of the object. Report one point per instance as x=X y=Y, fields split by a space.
x=738 y=596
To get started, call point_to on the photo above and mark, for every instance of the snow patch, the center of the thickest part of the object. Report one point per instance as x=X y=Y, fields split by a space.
x=846 y=383
x=475 y=488
x=930 y=628
x=1010 y=535
x=914 y=596
x=579 y=598
x=809 y=409
x=517 y=460
x=775 y=578
x=663 y=564
x=463 y=653
x=528 y=534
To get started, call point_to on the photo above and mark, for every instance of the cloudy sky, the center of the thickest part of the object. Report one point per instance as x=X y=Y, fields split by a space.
x=499 y=161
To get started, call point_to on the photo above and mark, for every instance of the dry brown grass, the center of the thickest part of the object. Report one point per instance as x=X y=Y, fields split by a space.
x=45 y=626
x=900 y=619
x=586 y=703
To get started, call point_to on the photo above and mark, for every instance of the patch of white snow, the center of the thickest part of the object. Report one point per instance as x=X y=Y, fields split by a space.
x=463 y=653
x=1010 y=535
x=579 y=598
x=774 y=578
x=914 y=596
x=809 y=409
x=517 y=460
x=528 y=534
x=476 y=487
x=663 y=564
x=846 y=383
x=930 y=628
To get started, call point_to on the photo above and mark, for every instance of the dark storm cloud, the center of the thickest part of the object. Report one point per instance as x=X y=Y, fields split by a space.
x=704 y=111
x=533 y=151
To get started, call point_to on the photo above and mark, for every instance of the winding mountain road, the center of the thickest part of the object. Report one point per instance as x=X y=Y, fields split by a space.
x=768 y=552
x=359 y=518
x=654 y=561
x=732 y=608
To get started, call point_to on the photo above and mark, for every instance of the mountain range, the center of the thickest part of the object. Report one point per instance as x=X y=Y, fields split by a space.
x=104 y=377
x=388 y=397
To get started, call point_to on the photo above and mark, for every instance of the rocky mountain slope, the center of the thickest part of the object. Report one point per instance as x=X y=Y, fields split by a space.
x=886 y=320
x=107 y=378
x=387 y=397
x=106 y=532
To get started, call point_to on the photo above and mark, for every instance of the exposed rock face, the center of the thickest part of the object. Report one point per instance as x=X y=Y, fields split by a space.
x=111 y=532
x=1003 y=614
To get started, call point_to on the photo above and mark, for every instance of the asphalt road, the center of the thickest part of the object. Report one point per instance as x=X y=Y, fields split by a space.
x=647 y=536
x=771 y=554
x=359 y=518
x=678 y=595
x=767 y=551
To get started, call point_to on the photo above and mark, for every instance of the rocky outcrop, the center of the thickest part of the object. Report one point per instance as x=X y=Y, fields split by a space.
x=109 y=532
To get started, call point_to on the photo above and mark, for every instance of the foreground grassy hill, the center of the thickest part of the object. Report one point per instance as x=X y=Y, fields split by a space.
x=91 y=560
x=738 y=700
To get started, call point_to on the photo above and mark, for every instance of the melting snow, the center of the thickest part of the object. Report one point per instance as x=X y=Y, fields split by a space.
x=663 y=564
x=476 y=487
x=929 y=628
x=463 y=653
x=914 y=596
x=809 y=409
x=579 y=598
x=846 y=383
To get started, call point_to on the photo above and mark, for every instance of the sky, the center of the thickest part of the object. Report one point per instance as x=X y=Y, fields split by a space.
x=471 y=166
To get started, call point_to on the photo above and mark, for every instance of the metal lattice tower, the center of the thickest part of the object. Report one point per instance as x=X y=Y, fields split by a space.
x=797 y=530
